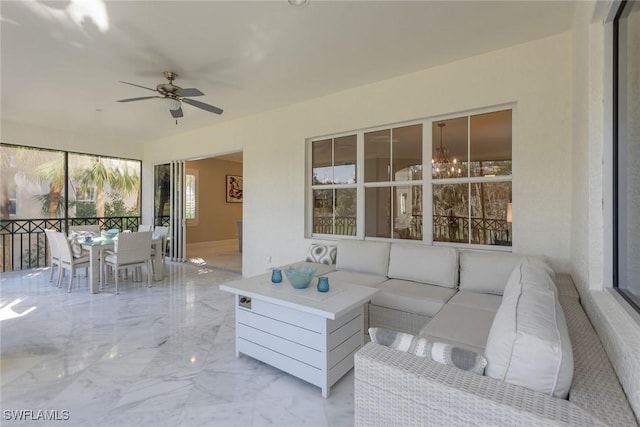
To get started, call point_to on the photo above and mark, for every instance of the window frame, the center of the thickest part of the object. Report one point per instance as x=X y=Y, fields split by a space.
x=312 y=187
x=192 y=222
x=473 y=179
x=426 y=183
x=634 y=302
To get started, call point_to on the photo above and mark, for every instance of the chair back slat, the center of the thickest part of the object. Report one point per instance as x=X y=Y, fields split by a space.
x=64 y=248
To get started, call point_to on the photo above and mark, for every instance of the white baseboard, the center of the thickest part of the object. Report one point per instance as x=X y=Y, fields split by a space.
x=212 y=243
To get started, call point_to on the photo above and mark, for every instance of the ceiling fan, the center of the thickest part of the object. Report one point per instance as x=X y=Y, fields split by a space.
x=175 y=96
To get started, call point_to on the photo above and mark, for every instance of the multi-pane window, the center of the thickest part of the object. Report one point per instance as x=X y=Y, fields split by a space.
x=393 y=182
x=468 y=190
x=103 y=186
x=190 y=196
x=333 y=178
x=471 y=176
x=626 y=140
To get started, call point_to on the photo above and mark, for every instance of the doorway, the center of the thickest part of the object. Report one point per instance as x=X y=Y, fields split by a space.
x=202 y=203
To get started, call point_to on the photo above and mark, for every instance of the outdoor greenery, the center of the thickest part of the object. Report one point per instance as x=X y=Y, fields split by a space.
x=27 y=171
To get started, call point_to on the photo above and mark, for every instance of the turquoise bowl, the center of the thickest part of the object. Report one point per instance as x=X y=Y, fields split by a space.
x=300 y=277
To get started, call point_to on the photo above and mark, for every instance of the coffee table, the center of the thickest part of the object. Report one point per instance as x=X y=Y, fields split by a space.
x=306 y=333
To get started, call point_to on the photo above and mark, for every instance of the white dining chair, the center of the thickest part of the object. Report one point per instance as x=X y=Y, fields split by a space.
x=132 y=250
x=160 y=232
x=54 y=251
x=145 y=227
x=67 y=260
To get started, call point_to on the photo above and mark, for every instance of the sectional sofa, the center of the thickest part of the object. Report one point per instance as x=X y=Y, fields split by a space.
x=546 y=365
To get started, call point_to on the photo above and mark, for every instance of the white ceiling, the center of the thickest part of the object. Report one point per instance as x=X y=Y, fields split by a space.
x=61 y=61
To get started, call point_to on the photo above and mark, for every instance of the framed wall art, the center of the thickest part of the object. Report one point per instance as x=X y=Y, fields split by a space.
x=234 y=189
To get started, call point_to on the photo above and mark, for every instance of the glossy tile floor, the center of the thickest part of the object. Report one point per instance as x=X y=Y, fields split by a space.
x=160 y=356
x=224 y=256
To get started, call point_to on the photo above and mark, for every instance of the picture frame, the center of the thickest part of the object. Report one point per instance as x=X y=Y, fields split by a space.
x=234 y=189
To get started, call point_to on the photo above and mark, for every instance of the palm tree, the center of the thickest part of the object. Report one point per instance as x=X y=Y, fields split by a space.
x=52 y=173
x=101 y=175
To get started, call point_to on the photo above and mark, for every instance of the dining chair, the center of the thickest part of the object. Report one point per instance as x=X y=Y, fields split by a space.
x=160 y=232
x=145 y=227
x=131 y=250
x=54 y=251
x=67 y=260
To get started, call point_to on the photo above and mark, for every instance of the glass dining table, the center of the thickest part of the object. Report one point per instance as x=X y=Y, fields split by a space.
x=98 y=245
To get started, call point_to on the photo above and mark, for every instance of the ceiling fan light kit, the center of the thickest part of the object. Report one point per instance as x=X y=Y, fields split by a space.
x=172 y=103
x=173 y=96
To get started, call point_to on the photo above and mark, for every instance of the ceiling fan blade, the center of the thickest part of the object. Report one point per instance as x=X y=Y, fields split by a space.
x=202 y=105
x=133 y=84
x=176 y=114
x=138 y=99
x=190 y=91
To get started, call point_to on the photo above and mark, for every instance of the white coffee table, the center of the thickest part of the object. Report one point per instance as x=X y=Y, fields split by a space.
x=309 y=334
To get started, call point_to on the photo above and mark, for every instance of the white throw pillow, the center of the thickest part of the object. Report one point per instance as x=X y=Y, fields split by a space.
x=435 y=265
x=363 y=257
x=76 y=247
x=444 y=353
x=528 y=343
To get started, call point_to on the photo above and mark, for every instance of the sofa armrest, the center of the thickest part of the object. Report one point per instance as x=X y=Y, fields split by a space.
x=397 y=388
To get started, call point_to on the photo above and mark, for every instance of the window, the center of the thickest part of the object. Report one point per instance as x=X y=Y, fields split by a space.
x=333 y=169
x=626 y=149
x=393 y=182
x=58 y=184
x=471 y=176
x=371 y=184
x=190 y=194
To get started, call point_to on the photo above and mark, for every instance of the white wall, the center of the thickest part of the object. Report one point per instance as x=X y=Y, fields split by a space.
x=591 y=250
x=535 y=75
x=35 y=136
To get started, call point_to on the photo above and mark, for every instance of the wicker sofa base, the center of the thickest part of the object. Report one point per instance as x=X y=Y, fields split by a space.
x=389 y=318
x=397 y=388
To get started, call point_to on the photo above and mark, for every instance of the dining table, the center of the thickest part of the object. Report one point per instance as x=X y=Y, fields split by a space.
x=99 y=244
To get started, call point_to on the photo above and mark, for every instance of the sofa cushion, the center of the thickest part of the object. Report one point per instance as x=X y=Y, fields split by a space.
x=412 y=297
x=444 y=353
x=486 y=272
x=528 y=274
x=528 y=344
x=436 y=265
x=355 y=278
x=476 y=300
x=464 y=326
x=321 y=254
x=363 y=257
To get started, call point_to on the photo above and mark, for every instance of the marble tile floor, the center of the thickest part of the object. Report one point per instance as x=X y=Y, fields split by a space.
x=224 y=256
x=160 y=356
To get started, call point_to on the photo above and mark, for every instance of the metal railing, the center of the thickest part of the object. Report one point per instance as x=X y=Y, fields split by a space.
x=446 y=228
x=344 y=225
x=484 y=231
x=23 y=241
